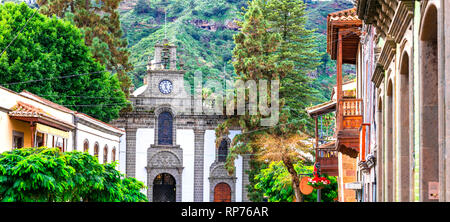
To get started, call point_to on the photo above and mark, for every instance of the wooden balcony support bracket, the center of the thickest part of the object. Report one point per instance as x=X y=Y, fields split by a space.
x=350 y=114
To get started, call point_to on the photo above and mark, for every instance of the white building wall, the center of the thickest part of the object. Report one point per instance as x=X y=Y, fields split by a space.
x=144 y=138
x=121 y=154
x=238 y=170
x=210 y=155
x=93 y=135
x=185 y=138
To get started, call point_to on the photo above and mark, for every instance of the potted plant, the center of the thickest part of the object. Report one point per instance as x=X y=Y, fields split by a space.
x=318 y=182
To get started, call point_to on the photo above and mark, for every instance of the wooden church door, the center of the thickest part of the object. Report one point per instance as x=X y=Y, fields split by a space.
x=222 y=193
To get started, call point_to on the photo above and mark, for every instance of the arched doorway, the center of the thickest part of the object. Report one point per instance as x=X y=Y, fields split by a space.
x=164 y=189
x=222 y=193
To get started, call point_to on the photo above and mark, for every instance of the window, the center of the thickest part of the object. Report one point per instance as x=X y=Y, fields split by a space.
x=105 y=154
x=86 y=146
x=17 y=140
x=59 y=143
x=165 y=123
x=113 y=154
x=223 y=151
x=39 y=139
x=96 y=150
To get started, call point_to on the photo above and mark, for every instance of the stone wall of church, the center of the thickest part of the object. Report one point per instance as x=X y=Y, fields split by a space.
x=186 y=140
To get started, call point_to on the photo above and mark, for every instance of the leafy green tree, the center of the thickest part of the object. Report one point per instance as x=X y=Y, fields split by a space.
x=102 y=31
x=276 y=184
x=48 y=175
x=50 y=59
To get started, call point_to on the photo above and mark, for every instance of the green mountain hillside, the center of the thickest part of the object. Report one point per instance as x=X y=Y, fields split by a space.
x=203 y=31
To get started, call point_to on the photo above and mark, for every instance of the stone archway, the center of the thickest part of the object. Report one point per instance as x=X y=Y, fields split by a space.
x=219 y=175
x=164 y=188
x=429 y=105
x=164 y=162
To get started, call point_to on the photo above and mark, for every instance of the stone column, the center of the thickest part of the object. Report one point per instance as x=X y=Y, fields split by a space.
x=380 y=160
x=245 y=180
x=199 y=141
x=446 y=8
x=130 y=162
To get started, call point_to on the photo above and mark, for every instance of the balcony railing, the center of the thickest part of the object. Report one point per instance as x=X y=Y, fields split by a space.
x=349 y=114
x=328 y=160
x=351 y=107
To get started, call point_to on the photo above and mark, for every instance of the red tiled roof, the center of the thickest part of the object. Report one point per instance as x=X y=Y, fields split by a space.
x=347 y=23
x=62 y=108
x=344 y=15
x=24 y=110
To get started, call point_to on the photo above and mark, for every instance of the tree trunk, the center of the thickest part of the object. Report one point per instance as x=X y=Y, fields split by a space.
x=295 y=179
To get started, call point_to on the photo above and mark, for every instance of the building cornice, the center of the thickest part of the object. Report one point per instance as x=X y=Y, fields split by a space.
x=90 y=124
x=401 y=20
x=387 y=53
x=378 y=75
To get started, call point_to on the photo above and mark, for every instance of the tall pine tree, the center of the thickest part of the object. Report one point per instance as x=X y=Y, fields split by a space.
x=273 y=44
x=299 y=46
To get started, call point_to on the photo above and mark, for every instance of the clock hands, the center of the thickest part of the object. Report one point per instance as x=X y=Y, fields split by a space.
x=165 y=86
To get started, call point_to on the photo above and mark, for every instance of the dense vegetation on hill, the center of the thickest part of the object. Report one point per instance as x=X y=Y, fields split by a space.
x=204 y=31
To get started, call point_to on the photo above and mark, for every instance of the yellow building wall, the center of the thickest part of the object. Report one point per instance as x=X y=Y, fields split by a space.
x=7 y=126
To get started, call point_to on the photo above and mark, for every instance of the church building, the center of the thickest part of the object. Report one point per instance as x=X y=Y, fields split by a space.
x=170 y=146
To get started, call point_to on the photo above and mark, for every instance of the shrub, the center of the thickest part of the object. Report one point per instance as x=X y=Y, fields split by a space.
x=49 y=175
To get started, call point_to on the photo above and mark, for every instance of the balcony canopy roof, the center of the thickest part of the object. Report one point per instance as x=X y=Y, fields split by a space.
x=348 y=24
x=28 y=113
x=321 y=109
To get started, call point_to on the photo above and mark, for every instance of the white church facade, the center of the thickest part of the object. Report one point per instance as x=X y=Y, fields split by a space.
x=170 y=146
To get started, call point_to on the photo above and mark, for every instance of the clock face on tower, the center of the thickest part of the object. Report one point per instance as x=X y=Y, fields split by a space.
x=165 y=86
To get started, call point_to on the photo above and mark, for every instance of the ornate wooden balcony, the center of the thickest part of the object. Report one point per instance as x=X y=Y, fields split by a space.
x=327 y=156
x=349 y=120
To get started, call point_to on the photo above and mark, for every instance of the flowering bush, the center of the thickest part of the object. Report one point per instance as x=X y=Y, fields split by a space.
x=318 y=182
